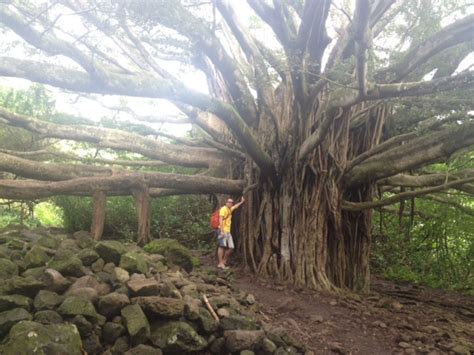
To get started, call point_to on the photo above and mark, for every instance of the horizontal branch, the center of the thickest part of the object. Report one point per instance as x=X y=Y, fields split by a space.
x=72 y=157
x=358 y=206
x=451 y=35
x=117 y=139
x=141 y=86
x=430 y=180
x=118 y=184
x=50 y=172
x=422 y=150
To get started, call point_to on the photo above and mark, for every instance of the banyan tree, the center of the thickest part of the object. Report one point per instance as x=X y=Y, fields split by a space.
x=321 y=110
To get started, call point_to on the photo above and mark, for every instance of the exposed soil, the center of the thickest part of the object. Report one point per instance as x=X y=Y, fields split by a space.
x=395 y=318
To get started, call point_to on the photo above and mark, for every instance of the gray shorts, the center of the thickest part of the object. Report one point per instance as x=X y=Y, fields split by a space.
x=225 y=240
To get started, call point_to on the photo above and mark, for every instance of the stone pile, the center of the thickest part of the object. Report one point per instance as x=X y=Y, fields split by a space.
x=67 y=294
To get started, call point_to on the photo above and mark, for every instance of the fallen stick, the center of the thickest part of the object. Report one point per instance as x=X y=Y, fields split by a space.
x=209 y=307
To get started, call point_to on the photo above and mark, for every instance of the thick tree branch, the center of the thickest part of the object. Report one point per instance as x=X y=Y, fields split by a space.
x=195 y=157
x=272 y=18
x=119 y=184
x=456 y=82
x=430 y=180
x=358 y=206
x=72 y=157
x=425 y=149
x=362 y=42
x=49 y=172
x=140 y=86
x=458 y=32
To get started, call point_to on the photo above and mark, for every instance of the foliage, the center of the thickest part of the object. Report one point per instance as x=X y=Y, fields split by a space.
x=184 y=218
x=48 y=214
x=434 y=245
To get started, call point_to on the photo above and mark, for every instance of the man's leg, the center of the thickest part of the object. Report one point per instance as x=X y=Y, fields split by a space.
x=220 y=256
x=230 y=248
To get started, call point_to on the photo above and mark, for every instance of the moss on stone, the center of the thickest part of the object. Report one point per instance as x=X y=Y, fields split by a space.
x=34 y=338
x=173 y=251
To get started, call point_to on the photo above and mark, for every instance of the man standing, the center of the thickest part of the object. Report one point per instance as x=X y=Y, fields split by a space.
x=225 y=242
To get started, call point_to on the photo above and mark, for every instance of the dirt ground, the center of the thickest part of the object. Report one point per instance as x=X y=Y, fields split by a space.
x=394 y=318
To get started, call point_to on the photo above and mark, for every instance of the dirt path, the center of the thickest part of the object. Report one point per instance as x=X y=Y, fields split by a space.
x=392 y=319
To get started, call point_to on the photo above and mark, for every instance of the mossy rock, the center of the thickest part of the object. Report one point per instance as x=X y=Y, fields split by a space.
x=110 y=251
x=26 y=286
x=134 y=262
x=35 y=272
x=45 y=300
x=178 y=337
x=71 y=266
x=8 y=269
x=35 y=257
x=34 y=338
x=136 y=323
x=48 y=242
x=173 y=251
x=9 y=318
x=88 y=256
x=8 y=302
x=73 y=306
x=48 y=317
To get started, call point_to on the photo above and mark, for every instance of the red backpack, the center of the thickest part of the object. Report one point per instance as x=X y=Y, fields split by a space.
x=215 y=218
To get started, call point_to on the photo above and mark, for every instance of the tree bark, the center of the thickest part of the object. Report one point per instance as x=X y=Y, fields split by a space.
x=98 y=216
x=142 y=202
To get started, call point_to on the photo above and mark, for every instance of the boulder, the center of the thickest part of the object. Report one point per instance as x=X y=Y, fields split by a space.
x=90 y=282
x=35 y=272
x=8 y=302
x=173 y=251
x=48 y=317
x=120 y=346
x=83 y=325
x=112 y=331
x=237 y=340
x=34 y=338
x=144 y=350
x=87 y=293
x=136 y=323
x=161 y=306
x=55 y=281
x=178 y=337
x=111 y=304
x=98 y=265
x=35 y=257
x=92 y=344
x=133 y=262
x=110 y=251
x=26 y=286
x=120 y=275
x=83 y=239
x=206 y=322
x=143 y=287
x=71 y=266
x=73 y=306
x=9 y=318
x=88 y=256
x=48 y=241
x=7 y=269
x=235 y=322
x=46 y=300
